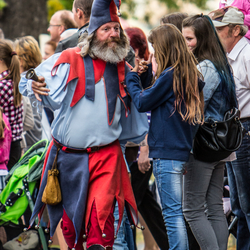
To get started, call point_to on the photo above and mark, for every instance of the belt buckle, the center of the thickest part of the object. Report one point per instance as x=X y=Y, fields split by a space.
x=93 y=149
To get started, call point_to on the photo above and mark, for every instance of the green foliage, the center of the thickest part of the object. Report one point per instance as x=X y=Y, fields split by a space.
x=2 y=4
x=67 y=4
x=171 y=4
x=199 y=3
x=130 y=4
x=55 y=5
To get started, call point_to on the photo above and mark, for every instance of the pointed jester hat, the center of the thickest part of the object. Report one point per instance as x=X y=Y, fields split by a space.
x=103 y=11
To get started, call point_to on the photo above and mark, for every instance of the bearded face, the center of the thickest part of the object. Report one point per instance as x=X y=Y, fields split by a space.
x=108 y=43
x=112 y=50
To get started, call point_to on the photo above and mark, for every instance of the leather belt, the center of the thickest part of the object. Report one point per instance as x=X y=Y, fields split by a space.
x=72 y=150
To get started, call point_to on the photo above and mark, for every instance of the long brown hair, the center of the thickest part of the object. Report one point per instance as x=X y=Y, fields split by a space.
x=209 y=47
x=11 y=60
x=2 y=124
x=171 y=51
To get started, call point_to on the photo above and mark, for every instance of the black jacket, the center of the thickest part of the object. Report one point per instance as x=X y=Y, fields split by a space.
x=72 y=41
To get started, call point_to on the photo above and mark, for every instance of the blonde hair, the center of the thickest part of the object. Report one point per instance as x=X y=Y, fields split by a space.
x=28 y=51
x=171 y=51
x=11 y=60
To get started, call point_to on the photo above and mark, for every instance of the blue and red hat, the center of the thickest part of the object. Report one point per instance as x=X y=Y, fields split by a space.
x=103 y=11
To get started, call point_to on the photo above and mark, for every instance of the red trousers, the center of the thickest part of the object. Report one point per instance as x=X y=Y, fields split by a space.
x=94 y=232
x=108 y=181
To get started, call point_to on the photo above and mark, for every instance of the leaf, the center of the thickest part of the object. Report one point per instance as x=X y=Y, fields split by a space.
x=2 y=4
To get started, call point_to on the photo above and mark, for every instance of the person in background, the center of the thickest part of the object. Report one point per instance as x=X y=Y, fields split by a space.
x=203 y=182
x=49 y=49
x=59 y=22
x=10 y=98
x=81 y=10
x=28 y=120
x=244 y=7
x=138 y=42
x=175 y=18
x=30 y=56
x=67 y=33
x=141 y=170
x=5 y=142
x=173 y=113
x=231 y=30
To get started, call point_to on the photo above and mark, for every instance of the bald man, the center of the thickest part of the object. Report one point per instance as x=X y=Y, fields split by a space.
x=59 y=22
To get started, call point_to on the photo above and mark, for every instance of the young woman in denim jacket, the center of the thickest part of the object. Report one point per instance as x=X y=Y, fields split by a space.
x=176 y=103
x=203 y=183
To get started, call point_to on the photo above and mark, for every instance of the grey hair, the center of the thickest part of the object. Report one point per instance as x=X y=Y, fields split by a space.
x=85 y=44
x=243 y=28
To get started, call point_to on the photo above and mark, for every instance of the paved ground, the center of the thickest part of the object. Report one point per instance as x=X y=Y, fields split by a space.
x=231 y=243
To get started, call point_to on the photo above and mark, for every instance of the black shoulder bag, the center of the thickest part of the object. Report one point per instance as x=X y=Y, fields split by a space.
x=215 y=141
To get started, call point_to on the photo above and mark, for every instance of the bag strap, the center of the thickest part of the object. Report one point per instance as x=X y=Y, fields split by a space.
x=31 y=205
x=54 y=166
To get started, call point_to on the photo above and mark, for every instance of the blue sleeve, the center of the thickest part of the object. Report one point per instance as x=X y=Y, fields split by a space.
x=151 y=98
x=134 y=127
x=146 y=77
x=56 y=83
x=211 y=79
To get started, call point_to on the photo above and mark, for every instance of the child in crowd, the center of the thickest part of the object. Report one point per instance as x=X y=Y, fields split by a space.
x=203 y=182
x=49 y=49
x=176 y=104
x=5 y=141
x=10 y=98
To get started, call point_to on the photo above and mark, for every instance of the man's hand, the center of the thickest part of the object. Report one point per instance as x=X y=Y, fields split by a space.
x=143 y=160
x=39 y=88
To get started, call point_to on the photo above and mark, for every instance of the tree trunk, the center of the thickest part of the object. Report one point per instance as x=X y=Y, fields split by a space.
x=24 y=17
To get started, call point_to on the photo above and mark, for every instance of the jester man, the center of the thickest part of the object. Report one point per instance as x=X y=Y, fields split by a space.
x=95 y=118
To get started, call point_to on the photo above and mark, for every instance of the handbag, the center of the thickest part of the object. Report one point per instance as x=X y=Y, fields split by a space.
x=216 y=140
x=52 y=192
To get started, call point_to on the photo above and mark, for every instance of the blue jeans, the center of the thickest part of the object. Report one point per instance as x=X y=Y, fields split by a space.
x=239 y=183
x=169 y=179
x=124 y=240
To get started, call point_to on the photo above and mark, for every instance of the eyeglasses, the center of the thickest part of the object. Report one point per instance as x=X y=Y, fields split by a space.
x=53 y=25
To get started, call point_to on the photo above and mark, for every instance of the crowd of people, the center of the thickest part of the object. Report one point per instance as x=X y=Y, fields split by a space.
x=115 y=114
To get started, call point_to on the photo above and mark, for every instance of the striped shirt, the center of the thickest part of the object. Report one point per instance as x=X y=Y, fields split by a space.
x=14 y=114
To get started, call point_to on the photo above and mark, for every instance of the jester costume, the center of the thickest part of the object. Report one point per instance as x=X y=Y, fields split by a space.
x=93 y=118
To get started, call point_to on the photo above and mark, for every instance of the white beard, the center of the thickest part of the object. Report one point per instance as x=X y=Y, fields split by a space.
x=113 y=54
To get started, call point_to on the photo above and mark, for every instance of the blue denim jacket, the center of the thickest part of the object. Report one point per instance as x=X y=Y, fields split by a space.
x=215 y=102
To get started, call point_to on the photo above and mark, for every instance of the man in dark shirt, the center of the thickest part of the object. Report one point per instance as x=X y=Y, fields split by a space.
x=81 y=10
